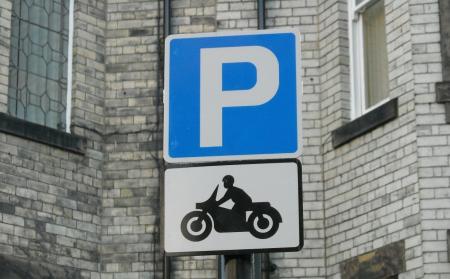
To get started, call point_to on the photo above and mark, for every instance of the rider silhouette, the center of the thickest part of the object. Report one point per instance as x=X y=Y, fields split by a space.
x=242 y=201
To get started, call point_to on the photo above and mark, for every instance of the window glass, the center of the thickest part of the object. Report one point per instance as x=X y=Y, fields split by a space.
x=38 y=61
x=375 y=54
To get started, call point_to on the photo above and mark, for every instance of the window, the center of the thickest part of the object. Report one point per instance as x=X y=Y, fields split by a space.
x=40 y=62
x=369 y=61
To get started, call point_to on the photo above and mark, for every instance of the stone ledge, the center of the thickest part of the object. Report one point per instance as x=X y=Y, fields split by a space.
x=383 y=262
x=28 y=130
x=365 y=123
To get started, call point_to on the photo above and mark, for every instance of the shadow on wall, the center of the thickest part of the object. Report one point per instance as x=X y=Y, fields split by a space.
x=14 y=268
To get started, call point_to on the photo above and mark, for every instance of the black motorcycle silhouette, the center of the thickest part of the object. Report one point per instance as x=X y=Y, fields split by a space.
x=262 y=223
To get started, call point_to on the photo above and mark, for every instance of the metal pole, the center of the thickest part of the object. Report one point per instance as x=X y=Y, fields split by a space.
x=267 y=266
x=167 y=15
x=167 y=30
x=238 y=267
x=256 y=266
x=261 y=14
x=166 y=267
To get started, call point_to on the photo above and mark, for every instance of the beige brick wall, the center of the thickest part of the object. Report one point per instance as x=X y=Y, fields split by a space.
x=130 y=232
x=433 y=148
x=371 y=183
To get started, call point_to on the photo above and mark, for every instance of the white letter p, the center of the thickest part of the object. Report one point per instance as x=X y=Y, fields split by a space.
x=213 y=98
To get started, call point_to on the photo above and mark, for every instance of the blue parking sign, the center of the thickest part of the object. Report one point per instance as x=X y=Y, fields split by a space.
x=232 y=96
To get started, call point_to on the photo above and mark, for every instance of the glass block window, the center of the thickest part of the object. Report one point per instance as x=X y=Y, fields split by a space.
x=39 y=61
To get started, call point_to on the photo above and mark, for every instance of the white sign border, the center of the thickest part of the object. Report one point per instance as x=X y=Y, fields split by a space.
x=242 y=251
x=205 y=159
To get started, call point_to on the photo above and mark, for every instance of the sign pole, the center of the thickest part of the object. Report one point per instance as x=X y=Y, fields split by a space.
x=243 y=266
x=256 y=266
x=238 y=267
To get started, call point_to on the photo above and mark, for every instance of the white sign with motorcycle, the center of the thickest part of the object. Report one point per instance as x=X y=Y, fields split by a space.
x=220 y=209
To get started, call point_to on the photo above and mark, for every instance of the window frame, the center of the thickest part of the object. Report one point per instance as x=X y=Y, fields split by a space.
x=357 y=60
x=69 y=66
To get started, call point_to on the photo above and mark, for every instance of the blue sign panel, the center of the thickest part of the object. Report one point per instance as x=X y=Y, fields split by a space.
x=232 y=96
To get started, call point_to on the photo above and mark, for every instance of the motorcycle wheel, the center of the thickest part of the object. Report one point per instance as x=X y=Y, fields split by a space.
x=196 y=226
x=262 y=225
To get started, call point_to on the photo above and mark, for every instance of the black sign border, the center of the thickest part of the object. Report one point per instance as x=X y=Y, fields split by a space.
x=244 y=251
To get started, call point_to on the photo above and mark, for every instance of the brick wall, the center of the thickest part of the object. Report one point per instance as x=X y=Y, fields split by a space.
x=432 y=138
x=130 y=223
x=193 y=16
x=371 y=183
x=50 y=197
x=236 y=15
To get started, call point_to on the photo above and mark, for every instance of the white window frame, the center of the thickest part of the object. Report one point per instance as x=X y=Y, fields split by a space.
x=69 y=66
x=357 y=63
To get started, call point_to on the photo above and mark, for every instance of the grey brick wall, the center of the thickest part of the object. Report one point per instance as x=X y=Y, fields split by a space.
x=50 y=198
x=237 y=15
x=88 y=67
x=371 y=184
x=432 y=138
x=193 y=16
x=130 y=223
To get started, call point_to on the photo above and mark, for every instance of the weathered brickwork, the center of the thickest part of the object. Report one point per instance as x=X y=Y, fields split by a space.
x=334 y=67
x=88 y=86
x=432 y=138
x=97 y=214
x=236 y=15
x=130 y=221
x=193 y=16
x=49 y=205
x=334 y=107
x=50 y=198
x=371 y=183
